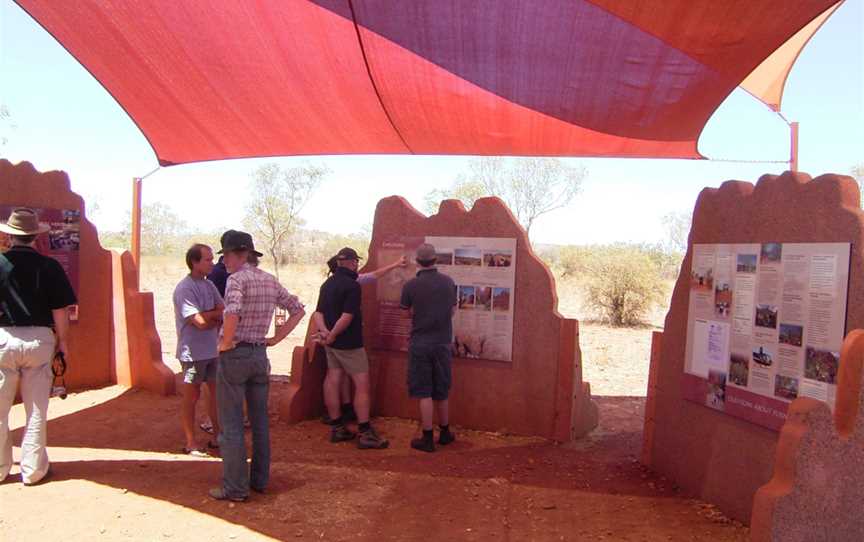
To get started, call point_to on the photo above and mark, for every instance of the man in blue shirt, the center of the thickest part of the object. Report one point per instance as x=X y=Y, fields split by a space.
x=197 y=315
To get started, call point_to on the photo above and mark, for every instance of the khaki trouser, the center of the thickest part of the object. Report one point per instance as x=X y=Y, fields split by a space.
x=25 y=356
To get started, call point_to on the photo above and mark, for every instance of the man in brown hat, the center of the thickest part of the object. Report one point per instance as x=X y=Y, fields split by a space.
x=34 y=295
x=251 y=296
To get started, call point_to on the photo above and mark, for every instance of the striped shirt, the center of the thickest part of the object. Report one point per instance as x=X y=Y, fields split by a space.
x=253 y=295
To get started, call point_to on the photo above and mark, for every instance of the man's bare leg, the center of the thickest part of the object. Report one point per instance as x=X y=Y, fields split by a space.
x=331 y=392
x=191 y=392
x=445 y=436
x=443 y=408
x=426 y=413
x=345 y=391
x=361 y=396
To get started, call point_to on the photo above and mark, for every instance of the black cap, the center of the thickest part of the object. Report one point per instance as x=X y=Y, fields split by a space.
x=347 y=254
x=233 y=241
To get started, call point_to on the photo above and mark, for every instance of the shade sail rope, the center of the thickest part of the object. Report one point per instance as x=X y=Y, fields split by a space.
x=372 y=79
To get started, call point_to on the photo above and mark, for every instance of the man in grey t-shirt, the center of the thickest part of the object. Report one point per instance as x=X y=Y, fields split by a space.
x=197 y=315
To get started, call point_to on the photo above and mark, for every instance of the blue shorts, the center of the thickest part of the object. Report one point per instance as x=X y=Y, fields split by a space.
x=196 y=372
x=429 y=371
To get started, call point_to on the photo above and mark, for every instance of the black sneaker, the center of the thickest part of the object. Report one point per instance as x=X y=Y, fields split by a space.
x=326 y=419
x=423 y=445
x=340 y=433
x=446 y=437
x=370 y=440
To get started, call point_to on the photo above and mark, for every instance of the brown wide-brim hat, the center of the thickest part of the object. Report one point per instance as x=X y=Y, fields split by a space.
x=23 y=221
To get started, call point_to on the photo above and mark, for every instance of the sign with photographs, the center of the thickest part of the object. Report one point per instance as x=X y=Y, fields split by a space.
x=765 y=325
x=484 y=270
x=61 y=242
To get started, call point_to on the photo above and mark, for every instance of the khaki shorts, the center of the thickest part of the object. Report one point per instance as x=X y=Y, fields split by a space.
x=352 y=361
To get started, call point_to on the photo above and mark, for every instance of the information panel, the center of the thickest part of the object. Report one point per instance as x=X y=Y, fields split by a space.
x=484 y=270
x=765 y=325
x=60 y=243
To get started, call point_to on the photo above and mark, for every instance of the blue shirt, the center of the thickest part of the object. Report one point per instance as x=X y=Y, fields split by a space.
x=193 y=296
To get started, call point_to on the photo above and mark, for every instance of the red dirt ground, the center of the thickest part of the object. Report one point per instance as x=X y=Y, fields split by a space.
x=117 y=475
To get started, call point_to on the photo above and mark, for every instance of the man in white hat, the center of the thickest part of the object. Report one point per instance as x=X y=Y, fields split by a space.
x=34 y=296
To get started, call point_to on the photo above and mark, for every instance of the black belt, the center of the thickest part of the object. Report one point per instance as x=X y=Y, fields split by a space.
x=251 y=345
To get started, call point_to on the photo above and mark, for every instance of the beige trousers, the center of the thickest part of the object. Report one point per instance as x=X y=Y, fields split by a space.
x=25 y=357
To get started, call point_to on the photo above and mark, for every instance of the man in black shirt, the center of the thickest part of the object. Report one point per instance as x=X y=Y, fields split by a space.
x=431 y=298
x=340 y=327
x=219 y=274
x=34 y=295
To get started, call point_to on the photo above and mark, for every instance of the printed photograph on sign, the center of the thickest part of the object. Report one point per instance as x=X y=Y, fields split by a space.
x=66 y=235
x=702 y=279
x=771 y=253
x=739 y=370
x=746 y=263
x=444 y=258
x=466 y=298
x=786 y=387
x=766 y=316
x=791 y=334
x=821 y=365
x=483 y=299
x=470 y=345
x=501 y=299
x=722 y=299
x=764 y=355
x=468 y=256
x=498 y=259
x=716 y=397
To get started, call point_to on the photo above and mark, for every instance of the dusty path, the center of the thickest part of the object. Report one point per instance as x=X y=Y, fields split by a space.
x=116 y=476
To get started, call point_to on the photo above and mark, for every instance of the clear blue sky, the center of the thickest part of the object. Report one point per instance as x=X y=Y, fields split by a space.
x=63 y=119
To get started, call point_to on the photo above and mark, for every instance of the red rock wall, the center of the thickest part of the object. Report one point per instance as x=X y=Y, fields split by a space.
x=818 y=484
x=722 y=459
x=540 y=393
x=533 y=395
x=90 y=363
x=114 y=339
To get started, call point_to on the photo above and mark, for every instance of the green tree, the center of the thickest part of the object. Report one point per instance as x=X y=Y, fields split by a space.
x=161 y=229
x=622 y=283
x=6 y=125
x=857 y=171
x=677 y=229
x=278 y=198
x=531 y=187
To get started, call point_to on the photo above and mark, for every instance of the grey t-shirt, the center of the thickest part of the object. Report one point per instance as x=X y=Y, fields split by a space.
x=432 y=296
x=192 y=296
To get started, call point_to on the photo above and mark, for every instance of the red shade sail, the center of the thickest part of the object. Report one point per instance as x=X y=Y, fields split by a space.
x=209 y=80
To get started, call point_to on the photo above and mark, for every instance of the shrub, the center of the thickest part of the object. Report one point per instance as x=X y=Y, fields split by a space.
x=622 y=283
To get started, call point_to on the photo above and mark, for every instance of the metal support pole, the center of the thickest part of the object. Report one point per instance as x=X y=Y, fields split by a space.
x=136 y=226
x=793 y=156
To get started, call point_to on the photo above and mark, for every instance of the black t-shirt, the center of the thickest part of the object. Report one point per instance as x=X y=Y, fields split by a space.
x=341 y=294
x=432 y=296
x=31 y=286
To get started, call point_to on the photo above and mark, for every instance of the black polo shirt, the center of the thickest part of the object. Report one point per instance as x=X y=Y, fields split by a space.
x=31 y=286
x=432 y=296
x=341 y=294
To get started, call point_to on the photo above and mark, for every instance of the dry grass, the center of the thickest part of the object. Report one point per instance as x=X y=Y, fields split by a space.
x=615 y=360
